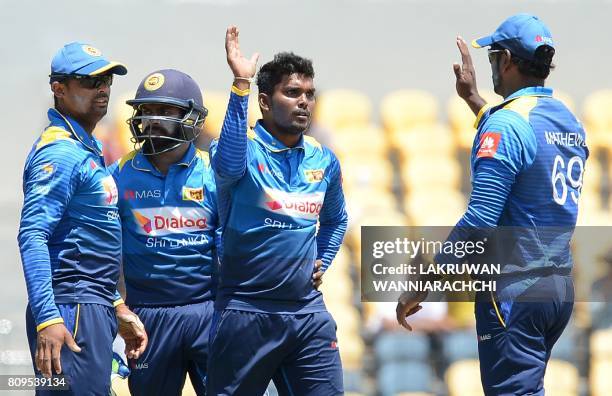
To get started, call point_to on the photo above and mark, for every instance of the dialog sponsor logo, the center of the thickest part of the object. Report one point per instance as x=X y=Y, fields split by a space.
x=303 y=206
x=170 y=220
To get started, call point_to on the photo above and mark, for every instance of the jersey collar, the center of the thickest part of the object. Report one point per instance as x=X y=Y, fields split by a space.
x=67 y=123
x=270 y=142
x=530 y=91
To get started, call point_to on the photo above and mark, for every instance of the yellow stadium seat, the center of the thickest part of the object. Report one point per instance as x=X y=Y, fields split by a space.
x=352 y=349
x=600 y=378
x=216 y=103
x=374 y=217
x=414 y=394
x=435 y=207
x=561 y=378
x=406 y=109
x=359 y=142
x=463 y=378
x=343 y=108
x=367 y=172
x=596 y=110
x=593 y=176
x=362 y=200
x=566 y=98
x=337 y=289
x=601 y=344
x=598 y=119
x=120 y=135
x=461 y=118
x=254 y=112
x=433 y=140
x=432 y=173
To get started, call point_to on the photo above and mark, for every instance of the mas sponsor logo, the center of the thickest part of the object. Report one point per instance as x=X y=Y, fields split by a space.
x=170 y=220
x=489 y=143
x=314 y=175
x=111 y=194
x=303 y=206
x=141 y=194
x=193 y=194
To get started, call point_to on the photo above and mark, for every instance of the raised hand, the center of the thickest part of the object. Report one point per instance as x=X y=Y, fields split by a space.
x=240 y=66
x=466 y=78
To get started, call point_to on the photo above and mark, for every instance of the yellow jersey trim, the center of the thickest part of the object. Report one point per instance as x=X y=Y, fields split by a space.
x=204 y=156
x=76 y=321
x=501 y=320
x=126 y=158
x=251 y=134
x=240 y=92
x=48 y=323
x=118 y=302
x=523 y=105
x=312 y=141
x=481 y=113
x=52 y=134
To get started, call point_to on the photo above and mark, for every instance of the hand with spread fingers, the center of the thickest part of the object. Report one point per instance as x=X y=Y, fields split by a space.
x=243 y=69
x=48 y=348
x=466 y=78
x=132 y=331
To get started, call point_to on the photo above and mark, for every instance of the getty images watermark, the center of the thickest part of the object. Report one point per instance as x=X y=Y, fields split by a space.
x=454 y=264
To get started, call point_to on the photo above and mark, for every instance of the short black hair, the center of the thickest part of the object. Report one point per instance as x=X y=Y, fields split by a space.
x=539 y=67
x=283 y=64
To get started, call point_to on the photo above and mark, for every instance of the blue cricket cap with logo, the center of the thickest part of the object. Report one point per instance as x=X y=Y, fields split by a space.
x=79 y=58
x=169 y=86
x=522 y=34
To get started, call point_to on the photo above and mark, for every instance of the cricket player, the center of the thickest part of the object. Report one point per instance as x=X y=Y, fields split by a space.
x=528 y=162
x=274 y=185
x=167 y=204
x=70 y=233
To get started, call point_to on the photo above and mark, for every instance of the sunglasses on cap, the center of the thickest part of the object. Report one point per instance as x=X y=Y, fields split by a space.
x=87 y=82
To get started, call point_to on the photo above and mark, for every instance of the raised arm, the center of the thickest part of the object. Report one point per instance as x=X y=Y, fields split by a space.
x=229 y=154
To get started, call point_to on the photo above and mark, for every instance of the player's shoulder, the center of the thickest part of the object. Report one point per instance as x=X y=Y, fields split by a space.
x=125 y=160
x=57 y=145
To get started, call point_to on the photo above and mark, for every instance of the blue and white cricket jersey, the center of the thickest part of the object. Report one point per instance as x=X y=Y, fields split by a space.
x=528 y=162
x=271 y=198
x=169 y=224
x=70 y=233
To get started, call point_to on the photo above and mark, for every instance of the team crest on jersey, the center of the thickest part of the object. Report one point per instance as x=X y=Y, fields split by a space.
x=154 y=81
x=111 y=194
x=193 y=194
x=489 y=142
x=91 y=51
x=314 y=175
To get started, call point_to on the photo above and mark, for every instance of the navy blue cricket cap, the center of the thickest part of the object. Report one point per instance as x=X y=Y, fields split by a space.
x=83 y=59
x=169 y=86
x=522 y=34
